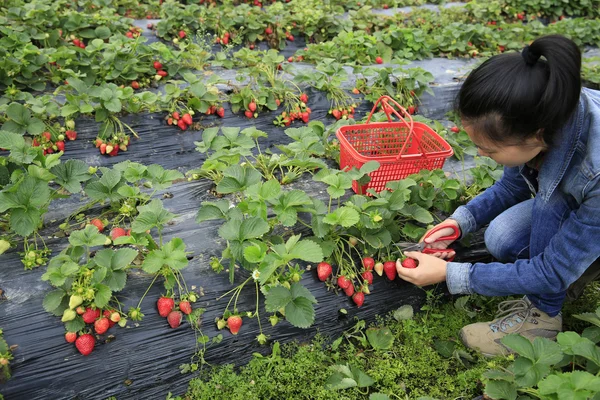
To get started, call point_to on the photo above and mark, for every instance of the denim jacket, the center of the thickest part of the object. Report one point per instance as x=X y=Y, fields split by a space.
x=565 y=216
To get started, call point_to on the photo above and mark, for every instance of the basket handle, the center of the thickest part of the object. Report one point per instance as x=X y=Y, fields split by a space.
x=388 y=110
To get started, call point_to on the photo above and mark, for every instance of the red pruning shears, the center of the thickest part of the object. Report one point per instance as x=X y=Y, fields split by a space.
x=409 y=246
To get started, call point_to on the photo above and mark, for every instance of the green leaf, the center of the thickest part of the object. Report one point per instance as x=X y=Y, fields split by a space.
x=501 y=390
x=444 y=347
x=237 y=179
x=342 y=378
x=103 y=295
x=592 y=318
x=53 y=300
x=256 y=253
x=212 y=210
x=298 y=291
x=300 y=312
x=344 y=216
x=106 y=187
x=70 y=174
x=115 y=260
x=151 y=215
x=161 y=178
x=11 y=140
x=380 y=338
x=306 y=250
x=116 y=280
x=75 y=325
x=171 y=254
x=417 y=212
x=378 y=396
x=276 y=298
x=25 y=221
x=362 y=379
x=18 y=113
x=89 y=236
x=520 y=345
x=403 y=313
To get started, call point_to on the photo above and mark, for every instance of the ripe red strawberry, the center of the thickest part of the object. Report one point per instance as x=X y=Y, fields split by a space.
x=359 y=299
x=304 y=98
x=221 y=112
x=135 y=85
x=101 y=325
x=71 y=134
x=234 y=323
x=343 y=282
x=98 y=224
x=60 y=145
x=157 y=65
x=129 y=35
x=225 y=40
x=162 y=73
x=305 y=117
x=89 y=316
x=323 y=271
x=379 y=268
x=269 y=31
x=185 y=307
x=176 y=115
x=85 y=344
x=174 y=319
x=182 y=125
x=455 y=129
x=290 y=59
x=114 y=151
x=389 y=267
x=181 y=34
x=35 y=143
x=368 y=276
x=368 y=263
x=165 y=305
x=410 y=263
x=71 y=337
x=170 y=121
x=47 y=136
x=187 y=118
x=337 y=114
x=117 y=232
x=411 y=110
x=76 y=42
x=248 y=114
x=349 y=290
x=252 y=106
x=379 y=60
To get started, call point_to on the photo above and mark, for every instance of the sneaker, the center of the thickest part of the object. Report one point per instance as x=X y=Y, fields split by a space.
x=514 y=316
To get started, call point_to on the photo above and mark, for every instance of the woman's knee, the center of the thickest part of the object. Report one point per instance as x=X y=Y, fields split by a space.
x=506 y=240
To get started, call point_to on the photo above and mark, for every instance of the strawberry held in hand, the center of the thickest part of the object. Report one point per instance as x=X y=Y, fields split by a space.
x=323 y=271
x=410 y=263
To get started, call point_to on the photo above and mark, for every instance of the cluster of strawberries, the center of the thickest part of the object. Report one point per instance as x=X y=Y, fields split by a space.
x=223 y=40
x=102 y=321
x=113 y=145
x=182 y=121
x=358 y=290
x=174 y=315
x=55 y=141
x=160 y=73
x=233 y=322
x=343 y=112
x=133 y=32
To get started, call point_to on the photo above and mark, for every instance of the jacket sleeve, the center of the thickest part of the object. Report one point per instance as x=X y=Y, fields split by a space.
x=570 y=252
x=509 y=190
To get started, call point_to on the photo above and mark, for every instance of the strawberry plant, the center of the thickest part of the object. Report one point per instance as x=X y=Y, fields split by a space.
x=5 y=358
x=590 y=70
x=547 y=369
x=403 y=85
x=328 y=77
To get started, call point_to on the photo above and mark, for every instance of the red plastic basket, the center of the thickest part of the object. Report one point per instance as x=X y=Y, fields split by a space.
x=402 y=148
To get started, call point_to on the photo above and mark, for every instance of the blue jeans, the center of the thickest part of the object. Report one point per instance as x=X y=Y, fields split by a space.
x=508 y=238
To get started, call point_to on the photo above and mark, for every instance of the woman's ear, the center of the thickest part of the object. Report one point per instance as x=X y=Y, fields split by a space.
x=539 y=137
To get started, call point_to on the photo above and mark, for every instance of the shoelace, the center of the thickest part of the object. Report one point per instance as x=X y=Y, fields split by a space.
x=510 y=309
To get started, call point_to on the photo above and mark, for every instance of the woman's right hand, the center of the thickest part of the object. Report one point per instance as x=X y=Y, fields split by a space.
x=432 y=242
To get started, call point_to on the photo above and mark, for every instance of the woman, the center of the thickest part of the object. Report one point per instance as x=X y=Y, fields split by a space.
x=531 y=115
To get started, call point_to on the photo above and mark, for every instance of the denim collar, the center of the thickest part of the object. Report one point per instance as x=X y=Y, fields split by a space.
x=559 y=156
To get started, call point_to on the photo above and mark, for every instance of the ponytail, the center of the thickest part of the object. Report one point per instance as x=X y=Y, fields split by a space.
x=514 y=96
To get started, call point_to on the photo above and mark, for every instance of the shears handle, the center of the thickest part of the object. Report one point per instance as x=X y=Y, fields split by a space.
x=455 y=235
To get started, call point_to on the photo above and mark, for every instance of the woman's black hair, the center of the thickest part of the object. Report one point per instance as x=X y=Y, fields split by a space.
x=514 y=96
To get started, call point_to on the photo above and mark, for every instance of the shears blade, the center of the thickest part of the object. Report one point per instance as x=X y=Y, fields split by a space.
x=410 y=246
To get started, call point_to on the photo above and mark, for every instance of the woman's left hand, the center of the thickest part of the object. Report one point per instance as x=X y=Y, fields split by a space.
x=429 y=271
